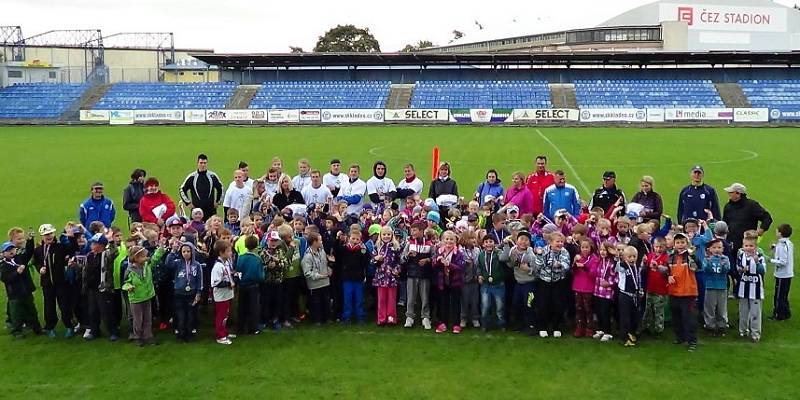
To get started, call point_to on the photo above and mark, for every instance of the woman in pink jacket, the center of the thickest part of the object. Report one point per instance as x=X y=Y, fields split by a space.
x=519 y=195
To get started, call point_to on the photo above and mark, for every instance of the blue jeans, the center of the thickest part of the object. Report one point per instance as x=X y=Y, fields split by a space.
x=488 y=294
x=353 y=300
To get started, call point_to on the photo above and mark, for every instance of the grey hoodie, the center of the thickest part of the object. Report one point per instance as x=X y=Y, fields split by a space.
x=315 y=268
x=514 y=258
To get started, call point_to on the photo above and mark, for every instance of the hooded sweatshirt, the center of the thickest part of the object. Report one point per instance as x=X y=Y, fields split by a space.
x=140 y=277
x=379 y=185
x=186 y=273
x=315 y=268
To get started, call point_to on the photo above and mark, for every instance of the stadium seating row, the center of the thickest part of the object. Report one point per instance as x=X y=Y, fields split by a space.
x=647 y=94
x=39 y=100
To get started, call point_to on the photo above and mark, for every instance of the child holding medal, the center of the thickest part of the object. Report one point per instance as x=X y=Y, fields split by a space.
x=188 y=275
x=491 y=277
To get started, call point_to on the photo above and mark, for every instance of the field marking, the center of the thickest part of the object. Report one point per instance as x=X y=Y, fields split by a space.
x=569 y=164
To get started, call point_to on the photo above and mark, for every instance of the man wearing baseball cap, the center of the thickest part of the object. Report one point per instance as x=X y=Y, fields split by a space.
x=697 y=197
x=19 y=289
x=97 y=207
x=743 y=214
x=608 y=195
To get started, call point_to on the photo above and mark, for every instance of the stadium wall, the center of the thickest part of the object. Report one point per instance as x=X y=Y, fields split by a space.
x=555 y=75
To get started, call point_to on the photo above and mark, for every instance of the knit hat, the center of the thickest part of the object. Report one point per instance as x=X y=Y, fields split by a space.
x=433 y=216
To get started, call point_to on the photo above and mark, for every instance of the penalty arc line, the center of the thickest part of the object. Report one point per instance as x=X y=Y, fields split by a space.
x=569 y=164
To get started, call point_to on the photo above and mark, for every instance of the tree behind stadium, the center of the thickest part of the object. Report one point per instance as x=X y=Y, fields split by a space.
x=347 y=38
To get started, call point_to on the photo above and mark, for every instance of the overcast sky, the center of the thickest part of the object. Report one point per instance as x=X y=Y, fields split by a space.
x=268 y=26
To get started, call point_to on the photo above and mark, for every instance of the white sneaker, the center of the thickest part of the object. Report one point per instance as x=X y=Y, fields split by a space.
x=390 y=320
x=556 y=334
x=598 y=335
x=232 y=336
x=606 y=338
x=543 y=334
x=426 y=323
x=476 y=323
x=409 y=323
x=463 y=323
x=224 y=341
x=87 y=334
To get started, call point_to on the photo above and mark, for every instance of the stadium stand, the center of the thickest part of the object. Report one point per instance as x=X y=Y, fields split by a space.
x=782 y=94
x=38 y=100
x=321 y=94
x=166 y=96
x=647 y=94
x=481 y=94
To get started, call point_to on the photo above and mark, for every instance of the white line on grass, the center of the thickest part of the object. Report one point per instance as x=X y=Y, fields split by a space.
x=569 y=164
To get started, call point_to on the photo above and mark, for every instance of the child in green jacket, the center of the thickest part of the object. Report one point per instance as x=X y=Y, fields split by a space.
x=139 y=285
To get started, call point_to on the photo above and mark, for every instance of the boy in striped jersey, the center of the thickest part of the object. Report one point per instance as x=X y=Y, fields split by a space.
x=751 y=266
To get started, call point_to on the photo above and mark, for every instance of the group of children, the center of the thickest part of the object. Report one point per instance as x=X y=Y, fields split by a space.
x=450 y=267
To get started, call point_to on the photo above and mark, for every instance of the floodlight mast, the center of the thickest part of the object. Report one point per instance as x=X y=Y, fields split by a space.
x=13 y=43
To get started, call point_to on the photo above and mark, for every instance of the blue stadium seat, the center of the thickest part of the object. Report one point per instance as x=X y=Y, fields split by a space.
x=481 y=94
x=38 y=100
x=781 y=94
x=647 y=94
x=321 y=94
x=166 y=96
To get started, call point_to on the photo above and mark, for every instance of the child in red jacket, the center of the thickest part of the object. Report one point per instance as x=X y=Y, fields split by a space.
x=656 y=290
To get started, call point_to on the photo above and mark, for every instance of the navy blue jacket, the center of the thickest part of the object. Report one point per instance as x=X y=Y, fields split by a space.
x=694 y=200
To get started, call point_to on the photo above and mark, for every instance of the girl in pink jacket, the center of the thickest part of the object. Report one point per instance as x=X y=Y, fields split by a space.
x=584 y=275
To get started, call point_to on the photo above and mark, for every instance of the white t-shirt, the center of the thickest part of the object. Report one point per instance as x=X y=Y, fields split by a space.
x=239 y=198
x=300 y=182
x=355 y=188
x=320 y=195
x=221 y=273
x=380 y=185
x=336 y=181
x=270 y=188
x=415 y=185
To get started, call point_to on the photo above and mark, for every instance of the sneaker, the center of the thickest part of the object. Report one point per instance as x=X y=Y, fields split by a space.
x=224 y=341
x=588 y=333
x=87 y=333
x=88 y=336
x=390 y=320
x=463 y=323
x=630 y=343
x=578 y=332
x=163 y=326
x=598 y=335
x=261 y=327
x=678 y=342
x=456 y=329
x=441 y=328
x=542 y=334
x=692 y=347
x=632 y=338
x=409 y=323
x=287 y=324
x=51 y=333
x=606 y=338
x=69 y=333
x=556 y=334
x=401 y=303
x=476 y=323
x=140 y=343
x=426 y=323
x=277 y=326
x=232 y=336
x=113 y=338
x=755 y=339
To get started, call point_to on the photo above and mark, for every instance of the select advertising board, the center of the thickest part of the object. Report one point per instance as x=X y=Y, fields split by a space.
x=416 y=115
x=546 y=114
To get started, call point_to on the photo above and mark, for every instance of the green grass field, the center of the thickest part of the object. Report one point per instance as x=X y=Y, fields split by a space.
x=47 y=172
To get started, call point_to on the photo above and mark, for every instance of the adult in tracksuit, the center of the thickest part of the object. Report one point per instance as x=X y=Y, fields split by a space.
x=202 y=189
x=697 y=197
x=608 y=195
x=51 y=259
x=97 y=208
x=561 y=196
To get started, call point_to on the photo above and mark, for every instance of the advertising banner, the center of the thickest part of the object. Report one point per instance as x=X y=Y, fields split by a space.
x=417 y=115
x=120 y=117
x=784 y=115
x=194 y=116
x=247 y=115
x=94 y=115
x=546 y=114
x=614 y=115
x=309 y=115
x=158 y=115
x=366 y=115
x=751 y=115
x=216 y=115
x=698 y=114
x=655 y=115
x=481 y=115
x=283 y=116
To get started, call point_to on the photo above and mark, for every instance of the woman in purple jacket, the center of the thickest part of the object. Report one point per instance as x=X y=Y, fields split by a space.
x=653 y=207
x=519 y=195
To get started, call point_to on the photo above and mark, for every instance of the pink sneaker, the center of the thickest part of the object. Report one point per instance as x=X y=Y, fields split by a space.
x=456 y=329
x=441 y=328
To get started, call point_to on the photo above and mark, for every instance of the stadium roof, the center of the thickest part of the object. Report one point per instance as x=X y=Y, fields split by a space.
x=288 y=60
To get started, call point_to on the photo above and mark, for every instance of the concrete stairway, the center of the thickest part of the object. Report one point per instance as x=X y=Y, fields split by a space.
x=86 y=102
x=400 y=96
x=242 y=97
x=732 y=95
x=562 y=95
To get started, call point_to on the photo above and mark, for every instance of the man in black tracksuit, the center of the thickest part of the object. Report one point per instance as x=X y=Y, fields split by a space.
x=606 y=196
x=202 y=189
x=743 y=214
x=51 y=261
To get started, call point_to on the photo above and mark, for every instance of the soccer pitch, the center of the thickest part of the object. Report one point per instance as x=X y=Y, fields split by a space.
x=48 y=171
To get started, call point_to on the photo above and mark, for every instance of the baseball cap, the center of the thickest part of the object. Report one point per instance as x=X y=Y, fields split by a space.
x=737 y=188
x=97 y=184
x=46 y=229
x=697 y=168
x=273 y=235
x=524 y=233
x=488 y=198
x=99 y=238
x=174 y=221
x=609 y=175
x=197 y=211
x=680 y=235
x=367 y=207
x=374 y=229
x=511 y=209
x=8 y=246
